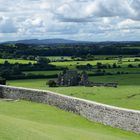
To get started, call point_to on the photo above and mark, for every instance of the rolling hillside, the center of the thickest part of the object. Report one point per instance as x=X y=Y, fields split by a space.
x=31 y=121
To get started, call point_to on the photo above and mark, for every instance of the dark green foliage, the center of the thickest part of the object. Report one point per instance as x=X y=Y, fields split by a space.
x=101 y=66
x=15 y=71
x=136 y=60
x=52 y=83
x=130 y=66
x=43 y=61
x=85 y=51
x=2 y=81
x=114 y=65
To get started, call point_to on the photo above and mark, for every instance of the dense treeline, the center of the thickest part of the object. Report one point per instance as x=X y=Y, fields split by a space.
x=84 y=51
x=15 y=71
x=31 y=51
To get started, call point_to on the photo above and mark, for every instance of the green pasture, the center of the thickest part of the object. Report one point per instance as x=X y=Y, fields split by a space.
x=73 y=64
x=13 y=61
x=125 y=69
x=31 y=121
x=112 y=70
x=122 y=80
x=127 y=94
x=43 y=72
x=59 y=58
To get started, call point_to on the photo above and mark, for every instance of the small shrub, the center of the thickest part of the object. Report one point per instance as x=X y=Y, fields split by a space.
x=118 y=72
x=52 y=83
x=2 y=81
x=114 y=65
x=130 y=66
x=136 y=60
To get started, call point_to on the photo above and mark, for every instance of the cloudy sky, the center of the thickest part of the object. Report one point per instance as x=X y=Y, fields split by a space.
x=94 y=20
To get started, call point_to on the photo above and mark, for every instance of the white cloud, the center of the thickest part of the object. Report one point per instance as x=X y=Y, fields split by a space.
x=7 y=25
x=77 y=19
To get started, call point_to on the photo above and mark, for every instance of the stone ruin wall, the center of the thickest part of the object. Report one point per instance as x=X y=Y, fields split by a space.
x=108 y=115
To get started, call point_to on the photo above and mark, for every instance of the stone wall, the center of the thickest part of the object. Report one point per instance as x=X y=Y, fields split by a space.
x=105 y=114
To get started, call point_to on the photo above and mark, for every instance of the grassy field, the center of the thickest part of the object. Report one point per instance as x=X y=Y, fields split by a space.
x=43 y=72
x=73 y=64
x=124 y=65
x=31 y=121
x=125 y=69
x=127 y=94
x=123 y=80
x=113 y=71
x=59 y=58
x=13 y=61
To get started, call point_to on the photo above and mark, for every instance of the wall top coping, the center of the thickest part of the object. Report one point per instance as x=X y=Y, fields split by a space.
x=74 y=98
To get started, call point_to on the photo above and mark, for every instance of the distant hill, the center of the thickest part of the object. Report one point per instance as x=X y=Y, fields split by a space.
x=57 y=41
x=46 y=41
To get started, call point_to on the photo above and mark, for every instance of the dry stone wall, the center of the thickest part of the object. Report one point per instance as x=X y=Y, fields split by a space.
x=113 y=116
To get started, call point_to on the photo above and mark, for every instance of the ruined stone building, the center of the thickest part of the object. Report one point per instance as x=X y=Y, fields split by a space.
x=72 y=78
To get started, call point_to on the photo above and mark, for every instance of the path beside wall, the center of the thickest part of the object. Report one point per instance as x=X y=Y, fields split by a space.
x=113 y=116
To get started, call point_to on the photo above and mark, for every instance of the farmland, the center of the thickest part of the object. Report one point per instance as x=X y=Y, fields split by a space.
x=31 y=117
x=42 y=72
x=127 y=94
x=72 y=64
x=13 y=61
x=128 y=65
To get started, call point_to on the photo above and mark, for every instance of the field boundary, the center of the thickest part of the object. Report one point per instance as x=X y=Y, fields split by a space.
x=117 y=117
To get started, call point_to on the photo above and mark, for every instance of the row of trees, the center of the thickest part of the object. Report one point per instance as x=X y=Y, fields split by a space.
x=32 y=51
x=15 y=71
x=103 y=66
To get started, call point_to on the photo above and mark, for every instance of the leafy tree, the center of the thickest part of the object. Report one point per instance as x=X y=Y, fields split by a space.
x=52 y=83
x=130 y=66
x=89 y=66
x=99 y=65
x=43 y=61
x=114 y=65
